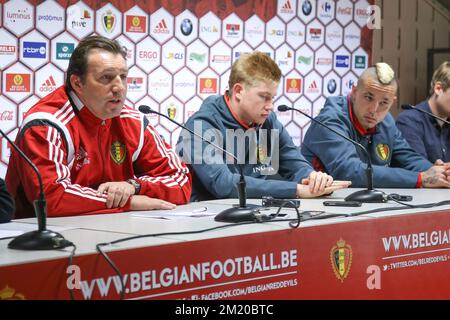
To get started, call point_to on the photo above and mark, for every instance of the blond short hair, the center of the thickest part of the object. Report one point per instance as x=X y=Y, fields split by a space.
x=442 y=75
x=252 y=68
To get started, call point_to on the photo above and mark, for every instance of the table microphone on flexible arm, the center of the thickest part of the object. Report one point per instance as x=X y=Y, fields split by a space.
x=41 y=239
x=238 y=213
x=408 y=107
x=369 y=195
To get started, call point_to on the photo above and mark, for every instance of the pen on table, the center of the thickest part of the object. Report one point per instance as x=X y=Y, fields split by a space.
x=202 y=209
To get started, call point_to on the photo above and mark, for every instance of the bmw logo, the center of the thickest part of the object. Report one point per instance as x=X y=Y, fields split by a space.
x=331 y=86
x=306 y=7
x=186 y=27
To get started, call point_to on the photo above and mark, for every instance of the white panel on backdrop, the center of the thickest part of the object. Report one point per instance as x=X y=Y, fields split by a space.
x=275 y=32
x=286 y=9
x=341 y=61
x=184 y=84
x=129 y=48
x=135 y=25
x=323 y=61
x=220 y=57
x=8 y=114
x=47 y=79
x=240 y=49
x=50 y=18
x=306 y=10
x=197 y=56
x=148 y=54
x=80 y=20
x=161 y=25
x=283 y=117
x=295 y=33
x=359 y=61
x=172 y=108
x=285 y=58
x=173 y=55
x=295 y=133
x=108 y=22
x=344 y=11
x=191 y=107
x=334 y=35
x=331 y=84
x=152 y=118
x=34 y=50
x=317 y=106
x=18 y=17
x=62 y=48
x=304 y=59
x=224 y=82
x=325 y=11
x=136 y=84
x=6 y=151
x=186 y=27
x=160 y=84
x=293 y=86
x=362 y=13
x=315 y=34
x=254 y=31
x=352 y=37
x=8 y=49
x=17 y=81
x=304 y=105
x=207 y=84
x=348 y=81
x=313 y=86
x=232 y=30
x=24 y=107
x=210 y=28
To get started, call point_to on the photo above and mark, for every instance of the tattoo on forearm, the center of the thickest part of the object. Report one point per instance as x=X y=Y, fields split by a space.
x=431 y=177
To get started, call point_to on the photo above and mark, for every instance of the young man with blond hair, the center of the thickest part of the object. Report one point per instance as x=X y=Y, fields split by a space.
x=429 y=136
x=364 y=116
x=242 y=122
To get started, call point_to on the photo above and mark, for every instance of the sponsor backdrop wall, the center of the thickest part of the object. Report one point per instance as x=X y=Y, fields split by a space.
x=180 y=52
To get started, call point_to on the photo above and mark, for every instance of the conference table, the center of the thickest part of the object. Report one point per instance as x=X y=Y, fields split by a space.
x=391 y=251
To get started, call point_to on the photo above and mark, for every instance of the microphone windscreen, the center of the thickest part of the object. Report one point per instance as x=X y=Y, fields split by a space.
x=145 y=109
x=283 y=108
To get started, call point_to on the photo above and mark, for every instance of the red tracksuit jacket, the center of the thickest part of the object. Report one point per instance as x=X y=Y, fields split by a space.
x=76 y=152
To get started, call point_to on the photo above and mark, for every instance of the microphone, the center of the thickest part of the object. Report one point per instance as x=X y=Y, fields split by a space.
x=238 y=213
x=408 y=107
x=369 y=195
x=41 y=239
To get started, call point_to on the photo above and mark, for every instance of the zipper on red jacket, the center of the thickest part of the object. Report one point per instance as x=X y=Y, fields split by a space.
x=99 y=138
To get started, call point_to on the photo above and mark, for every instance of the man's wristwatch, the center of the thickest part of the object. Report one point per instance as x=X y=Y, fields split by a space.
x=135 y=184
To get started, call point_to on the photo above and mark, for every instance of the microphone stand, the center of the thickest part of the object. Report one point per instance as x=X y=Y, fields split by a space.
x=409 y=106
x=239 y=212
x=368 y=195
x=41 y=239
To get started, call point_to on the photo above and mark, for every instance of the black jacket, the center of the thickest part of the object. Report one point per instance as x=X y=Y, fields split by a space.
x=6 y=204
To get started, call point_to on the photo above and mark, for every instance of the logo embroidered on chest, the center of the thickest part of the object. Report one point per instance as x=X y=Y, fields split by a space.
x=118 y=152
x=82 y=158
x=383 y=151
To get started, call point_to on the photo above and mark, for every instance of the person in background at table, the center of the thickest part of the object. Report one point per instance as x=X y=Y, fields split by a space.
x=6 y=203
x=429 y=136
x=95 y=154
x=242 y=121
x=364 y=116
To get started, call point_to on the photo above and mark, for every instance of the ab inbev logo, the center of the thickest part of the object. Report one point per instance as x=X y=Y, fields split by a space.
x=18 y=82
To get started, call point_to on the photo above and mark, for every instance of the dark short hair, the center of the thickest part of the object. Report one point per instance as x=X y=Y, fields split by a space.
x=79 y=60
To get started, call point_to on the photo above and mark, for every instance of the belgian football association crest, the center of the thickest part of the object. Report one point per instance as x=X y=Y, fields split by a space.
x=172 y=111
x=118 y=152
x=109 y=21
x=341 y=259
x=383 y=151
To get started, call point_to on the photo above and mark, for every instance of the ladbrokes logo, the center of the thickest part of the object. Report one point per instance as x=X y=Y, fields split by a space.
x=208 y=85
x=341 y=259
x=18 y=82
x=136 y=24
